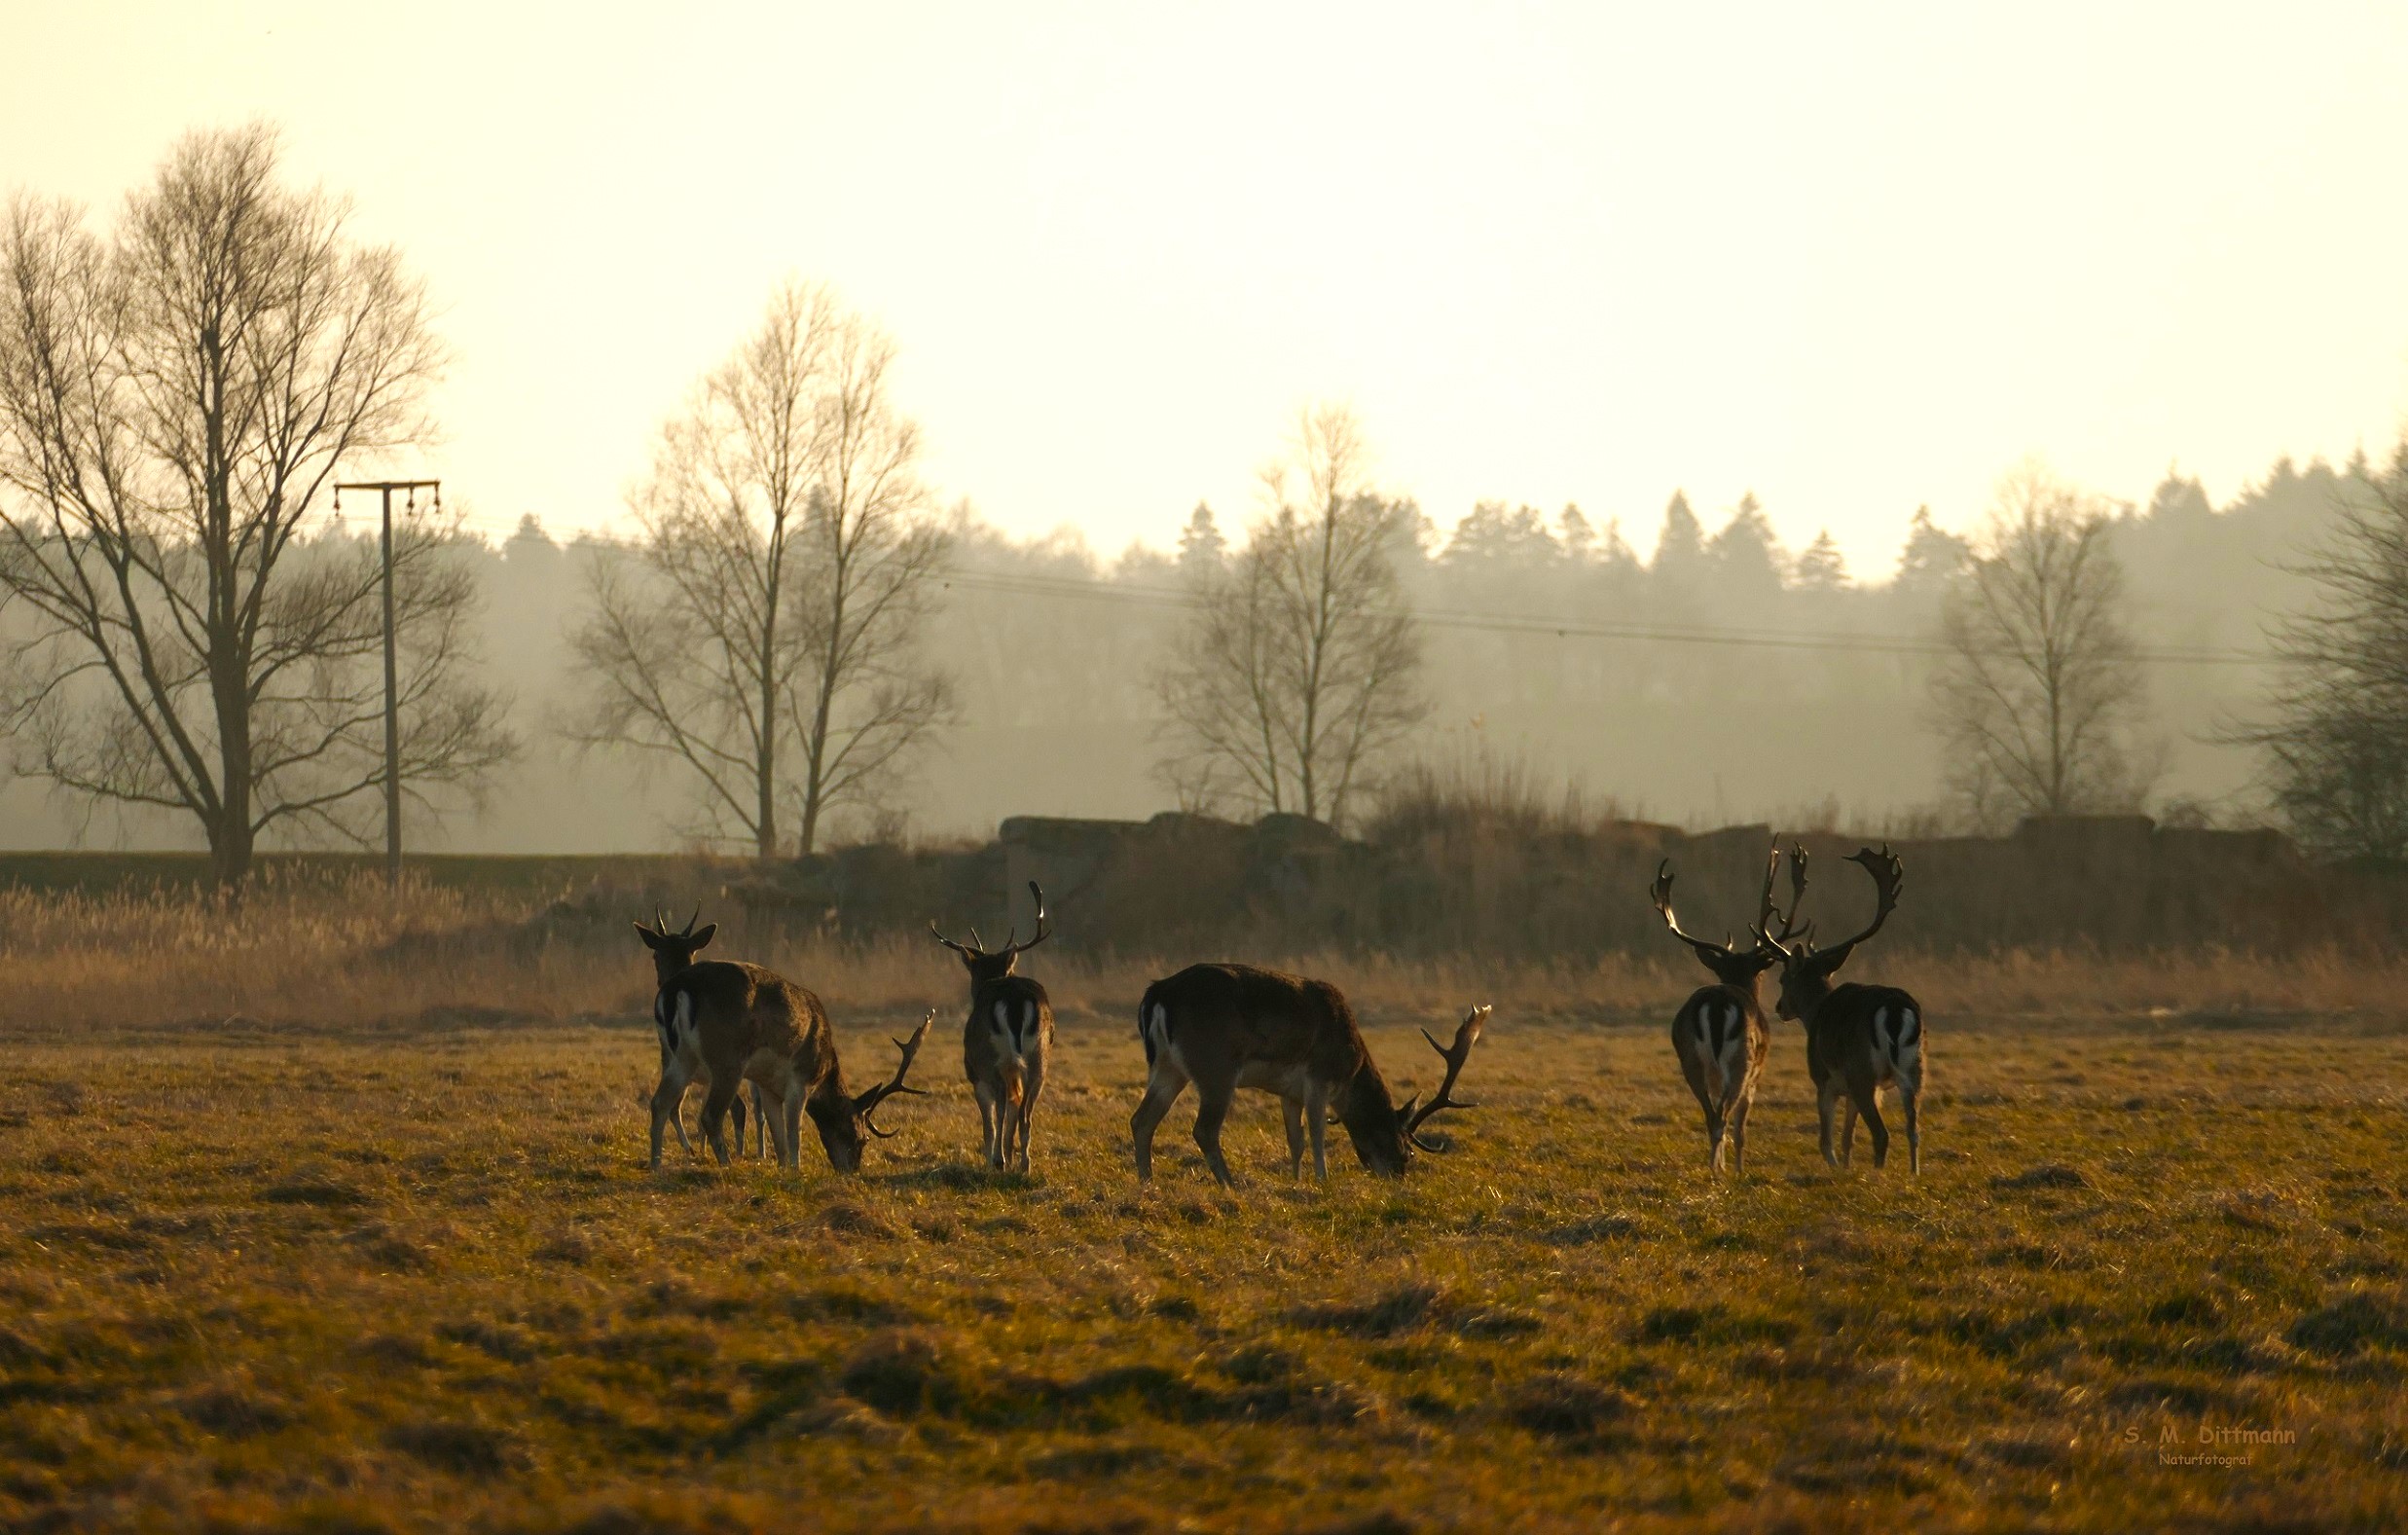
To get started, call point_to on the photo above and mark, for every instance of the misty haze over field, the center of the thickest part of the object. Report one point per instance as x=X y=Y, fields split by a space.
x=1779 y=684
x=1070 y=279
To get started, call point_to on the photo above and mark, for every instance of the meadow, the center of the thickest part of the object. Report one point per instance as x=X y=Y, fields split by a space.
x=331 y=1216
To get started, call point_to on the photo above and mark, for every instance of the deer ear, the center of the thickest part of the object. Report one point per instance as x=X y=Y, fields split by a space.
x=702 y=939
x=1404 y=1110
x=651 y=939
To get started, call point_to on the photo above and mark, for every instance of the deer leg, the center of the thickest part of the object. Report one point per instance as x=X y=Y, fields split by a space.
x=1827 y=1104
x=736 y=1111
x=769 y=1113
x=1317 y=1126
x=990 y=1124
x=1869 y=1099
x=667 y=1098
x=1161 y=1091
x=1914 y=1139
x=791 y=1115
x=1293 y=1113
x=724 y=1089
x=1714 y=1136
x=1847 y=1128
x=677 y=1109
x=1028 y=1113
x=1212 y=1110
x=766 y=1111
x=1738 y=1135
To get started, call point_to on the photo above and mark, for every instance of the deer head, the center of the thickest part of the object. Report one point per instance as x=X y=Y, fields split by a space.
x=673 y=953
x=1386 y=1135
x=1732 y=967
x=845 y=1123
x=1807 y=970
x=992 y=964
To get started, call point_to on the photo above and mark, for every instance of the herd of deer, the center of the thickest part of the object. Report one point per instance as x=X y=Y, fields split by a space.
x=1224 y=1027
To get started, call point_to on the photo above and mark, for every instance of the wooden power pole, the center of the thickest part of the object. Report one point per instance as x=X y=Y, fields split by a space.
x=392 y=706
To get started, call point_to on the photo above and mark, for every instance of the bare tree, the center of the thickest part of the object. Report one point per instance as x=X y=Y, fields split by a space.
x=764 y=634
x=1301 y=662
x=2039 y=695
x=174 y=400
x=694 y=645
x=2336 y=737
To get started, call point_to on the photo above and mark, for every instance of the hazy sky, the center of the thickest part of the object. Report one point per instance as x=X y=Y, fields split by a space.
x=1854 y=258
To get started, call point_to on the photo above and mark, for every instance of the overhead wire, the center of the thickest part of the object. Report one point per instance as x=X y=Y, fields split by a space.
x=1092 y=589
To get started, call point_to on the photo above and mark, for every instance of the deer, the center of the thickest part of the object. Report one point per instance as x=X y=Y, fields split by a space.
x=672 y=953
x=1720 y=1034
x=1859 y=1039
x=1225 y=1027
x=735 y=1023
x=1007 y=1039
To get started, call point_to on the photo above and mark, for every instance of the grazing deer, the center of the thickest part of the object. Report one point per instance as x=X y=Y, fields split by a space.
x=1720 y=1033
x=1859 y=1039
x=734 y=1023
x=1007 y=1039
x=1229 y=1026
x=672 y=954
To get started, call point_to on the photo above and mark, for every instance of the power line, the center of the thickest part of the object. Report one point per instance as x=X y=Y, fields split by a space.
x=1090 y=589
x=1508 y=623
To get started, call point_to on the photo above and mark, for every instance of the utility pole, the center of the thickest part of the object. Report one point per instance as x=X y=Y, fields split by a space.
x=392 y=706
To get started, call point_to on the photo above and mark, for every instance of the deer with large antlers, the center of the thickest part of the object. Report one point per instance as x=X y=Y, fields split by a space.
x=1007 y=1039
x=1720 y=1034
x=736 y=1023
x=1224 y=1027
x=1859 y=1039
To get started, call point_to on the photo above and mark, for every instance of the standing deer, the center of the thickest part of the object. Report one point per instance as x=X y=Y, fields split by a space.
x=1007 y=1039
x=1859 y=1039
x=672 y=954
x=1720 y=1033
x=1229 y=1026
x=735 y=1023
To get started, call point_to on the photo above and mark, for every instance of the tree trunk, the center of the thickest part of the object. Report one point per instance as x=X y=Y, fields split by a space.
x=232 y=835
x=229 y=857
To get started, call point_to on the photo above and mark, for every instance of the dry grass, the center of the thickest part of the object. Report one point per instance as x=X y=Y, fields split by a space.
x=311 y=953
x=418 y=1279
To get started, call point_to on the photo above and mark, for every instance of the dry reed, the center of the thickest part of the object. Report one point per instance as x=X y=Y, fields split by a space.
x=336 y=953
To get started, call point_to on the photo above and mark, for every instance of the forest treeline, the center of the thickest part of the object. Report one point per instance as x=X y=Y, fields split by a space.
x=1819 y=718
x=795 y=642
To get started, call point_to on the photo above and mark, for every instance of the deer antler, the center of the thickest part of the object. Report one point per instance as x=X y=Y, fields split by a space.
x=866 y=1104
x=1790 y=928
x=1662 y=894
x=966 y=951
x=1889 y=878
x=976 y=948
x=1043 y=932
x=1467 y=1035
x=690 y=921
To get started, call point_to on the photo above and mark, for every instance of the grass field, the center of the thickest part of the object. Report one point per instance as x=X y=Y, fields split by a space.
x=312 y=1277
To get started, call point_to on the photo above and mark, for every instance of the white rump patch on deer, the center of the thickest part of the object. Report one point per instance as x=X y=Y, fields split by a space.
x=680 y=1018
x=1899 y=1040
x=1735 y=1042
